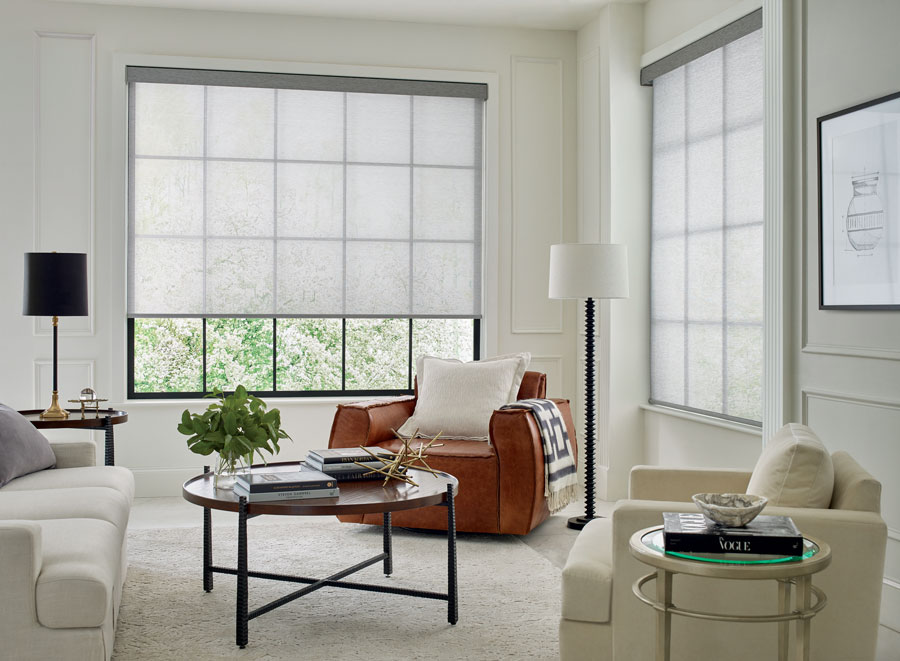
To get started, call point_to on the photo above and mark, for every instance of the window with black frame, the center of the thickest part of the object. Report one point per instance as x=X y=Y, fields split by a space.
x=299 y=234
x=706 y=313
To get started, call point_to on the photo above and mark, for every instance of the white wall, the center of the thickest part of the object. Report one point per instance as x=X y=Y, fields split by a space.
x=849 y=368
x=614 y=194
x=62 y=182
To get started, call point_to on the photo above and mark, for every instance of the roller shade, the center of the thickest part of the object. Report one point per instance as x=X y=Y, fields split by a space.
x=255 y=194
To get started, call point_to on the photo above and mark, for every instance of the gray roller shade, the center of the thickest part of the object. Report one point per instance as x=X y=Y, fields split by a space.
x=256 y=194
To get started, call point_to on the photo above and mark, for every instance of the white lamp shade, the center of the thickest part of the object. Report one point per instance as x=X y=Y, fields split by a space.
x=588 y=270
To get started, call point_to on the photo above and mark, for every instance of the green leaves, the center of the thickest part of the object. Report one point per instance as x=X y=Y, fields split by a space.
x=236 y=426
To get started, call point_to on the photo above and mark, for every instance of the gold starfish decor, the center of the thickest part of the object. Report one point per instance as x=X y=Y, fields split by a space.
x=395 y=467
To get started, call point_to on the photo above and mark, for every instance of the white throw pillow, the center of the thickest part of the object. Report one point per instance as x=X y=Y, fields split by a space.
x=794 y=470
x=457 y=399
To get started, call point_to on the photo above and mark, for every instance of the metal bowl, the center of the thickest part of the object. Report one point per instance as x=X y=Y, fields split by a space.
x=730 y=509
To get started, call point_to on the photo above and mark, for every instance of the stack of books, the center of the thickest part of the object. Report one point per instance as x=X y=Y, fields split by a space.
x=291 y=482
x=348 y=463
x=763 y=536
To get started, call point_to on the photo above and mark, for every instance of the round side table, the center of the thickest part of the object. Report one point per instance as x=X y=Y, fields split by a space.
x=101 y=419
x=647 y=546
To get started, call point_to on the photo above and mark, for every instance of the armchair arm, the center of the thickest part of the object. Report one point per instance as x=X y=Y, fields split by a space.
x=20 y=548
x=679 y=484
x=369 y=422
x=520 y=457
x=73 y=454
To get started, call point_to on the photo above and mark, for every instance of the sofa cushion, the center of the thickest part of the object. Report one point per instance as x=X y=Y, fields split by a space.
x=102 y=503
x=113 y=477
x=80 y=561
x=794 y=470
x=449 y=447
x=587 y=576
x=456 y=399
x=23 y=449
x=854 y=487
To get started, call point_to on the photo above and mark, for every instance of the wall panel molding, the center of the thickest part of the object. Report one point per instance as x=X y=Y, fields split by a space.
x=64 y=159
x=851 y=351
x=74 y=374
x=537 y=191
x=552 y=366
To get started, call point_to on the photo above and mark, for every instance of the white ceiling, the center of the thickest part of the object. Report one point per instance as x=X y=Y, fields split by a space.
x=546 y=14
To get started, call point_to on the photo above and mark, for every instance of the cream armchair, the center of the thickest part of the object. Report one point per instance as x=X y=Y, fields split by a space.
x=603 y=620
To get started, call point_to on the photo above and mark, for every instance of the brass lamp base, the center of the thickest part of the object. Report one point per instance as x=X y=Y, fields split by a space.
x=55 y=411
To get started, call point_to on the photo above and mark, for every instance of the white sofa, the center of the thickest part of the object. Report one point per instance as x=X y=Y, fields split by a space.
x=63 y=557
x=603 y=620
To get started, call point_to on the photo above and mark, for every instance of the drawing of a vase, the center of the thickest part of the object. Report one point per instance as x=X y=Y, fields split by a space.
x=865 y=215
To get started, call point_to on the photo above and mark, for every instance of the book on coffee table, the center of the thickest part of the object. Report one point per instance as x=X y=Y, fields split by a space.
x=765 y=535
x=350 y=472
x=274 y=479
x=347 y=455
x=296 y=494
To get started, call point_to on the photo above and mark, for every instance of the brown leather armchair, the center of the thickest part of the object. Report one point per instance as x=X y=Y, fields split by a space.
x=501 y=482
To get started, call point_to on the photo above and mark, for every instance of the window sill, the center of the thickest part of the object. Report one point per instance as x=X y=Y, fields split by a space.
x=703 y=419
x=273 y=402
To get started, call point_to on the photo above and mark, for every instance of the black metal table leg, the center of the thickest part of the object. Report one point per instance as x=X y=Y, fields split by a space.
x=388 y=560
x=110 y=442
x=241 y=614
x=207 y=545
x=452 y=608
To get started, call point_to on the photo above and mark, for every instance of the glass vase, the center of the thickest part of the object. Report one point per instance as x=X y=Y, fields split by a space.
x=226 y=471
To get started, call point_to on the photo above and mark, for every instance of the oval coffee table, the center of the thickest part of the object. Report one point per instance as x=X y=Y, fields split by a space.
x=356 y=497
x=647 y=546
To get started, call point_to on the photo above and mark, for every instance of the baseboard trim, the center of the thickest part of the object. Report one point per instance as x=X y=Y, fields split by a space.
x=161 y=482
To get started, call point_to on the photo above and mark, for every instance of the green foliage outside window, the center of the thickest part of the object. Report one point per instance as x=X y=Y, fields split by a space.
x=168 y=353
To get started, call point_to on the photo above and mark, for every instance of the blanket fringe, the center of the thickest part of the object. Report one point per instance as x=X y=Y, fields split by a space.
x=557 y=500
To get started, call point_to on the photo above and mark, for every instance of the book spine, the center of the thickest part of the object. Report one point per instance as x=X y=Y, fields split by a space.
x=278 y=487
x=751 y=544
x=301 y=494
x=343 y=468
x=341 y=459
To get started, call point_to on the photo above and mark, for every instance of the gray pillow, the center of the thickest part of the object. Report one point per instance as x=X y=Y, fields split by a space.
x=23 y=449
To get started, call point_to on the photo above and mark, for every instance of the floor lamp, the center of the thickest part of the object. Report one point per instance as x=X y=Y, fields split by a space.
x=588 y=271
x=55 y=286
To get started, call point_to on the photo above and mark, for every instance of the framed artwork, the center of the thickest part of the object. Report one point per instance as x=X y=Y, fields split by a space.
x=859 y=207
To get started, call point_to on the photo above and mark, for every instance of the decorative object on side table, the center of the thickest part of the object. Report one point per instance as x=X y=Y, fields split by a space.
x=588 y=271
x=237 y=426
x=396 y=467
x=88 y=400
x=55 y=286
x=858 y=213
x=730 y=509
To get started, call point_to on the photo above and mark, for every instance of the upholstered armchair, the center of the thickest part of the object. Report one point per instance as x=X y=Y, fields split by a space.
x=603 y=620
x=501 y=481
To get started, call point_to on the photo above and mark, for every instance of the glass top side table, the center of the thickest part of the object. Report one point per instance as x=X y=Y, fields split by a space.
x=647 y=546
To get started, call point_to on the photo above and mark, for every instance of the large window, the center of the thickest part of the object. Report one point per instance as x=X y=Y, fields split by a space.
x=706 y=318
x=300 y=234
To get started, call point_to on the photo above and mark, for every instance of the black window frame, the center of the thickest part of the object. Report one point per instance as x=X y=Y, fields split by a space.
x=343 y=392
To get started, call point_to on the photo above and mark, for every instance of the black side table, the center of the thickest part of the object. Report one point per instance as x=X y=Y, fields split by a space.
x=103 y=419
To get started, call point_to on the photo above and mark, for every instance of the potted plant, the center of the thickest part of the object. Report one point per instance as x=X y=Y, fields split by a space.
x=237 y=426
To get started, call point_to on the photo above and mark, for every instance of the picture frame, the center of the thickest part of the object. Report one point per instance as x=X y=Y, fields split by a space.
x=859 y=206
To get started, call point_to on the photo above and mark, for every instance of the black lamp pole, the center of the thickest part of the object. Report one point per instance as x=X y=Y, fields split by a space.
x=579 y=522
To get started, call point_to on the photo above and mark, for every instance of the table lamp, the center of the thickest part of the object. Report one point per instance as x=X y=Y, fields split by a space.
x=55 y=286
x=588 y=271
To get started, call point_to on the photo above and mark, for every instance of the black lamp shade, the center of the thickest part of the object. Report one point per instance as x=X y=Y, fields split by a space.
x=55 y=284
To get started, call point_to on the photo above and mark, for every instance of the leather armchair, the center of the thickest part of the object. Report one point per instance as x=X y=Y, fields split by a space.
x=501 y=482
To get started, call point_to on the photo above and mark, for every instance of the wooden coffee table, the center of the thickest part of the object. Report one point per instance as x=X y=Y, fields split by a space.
x=360 y=497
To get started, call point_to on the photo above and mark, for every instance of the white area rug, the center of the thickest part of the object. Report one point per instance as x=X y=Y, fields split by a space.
x=508 y=597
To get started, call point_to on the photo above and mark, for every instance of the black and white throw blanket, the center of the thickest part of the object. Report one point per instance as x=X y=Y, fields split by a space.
x=560 y=478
